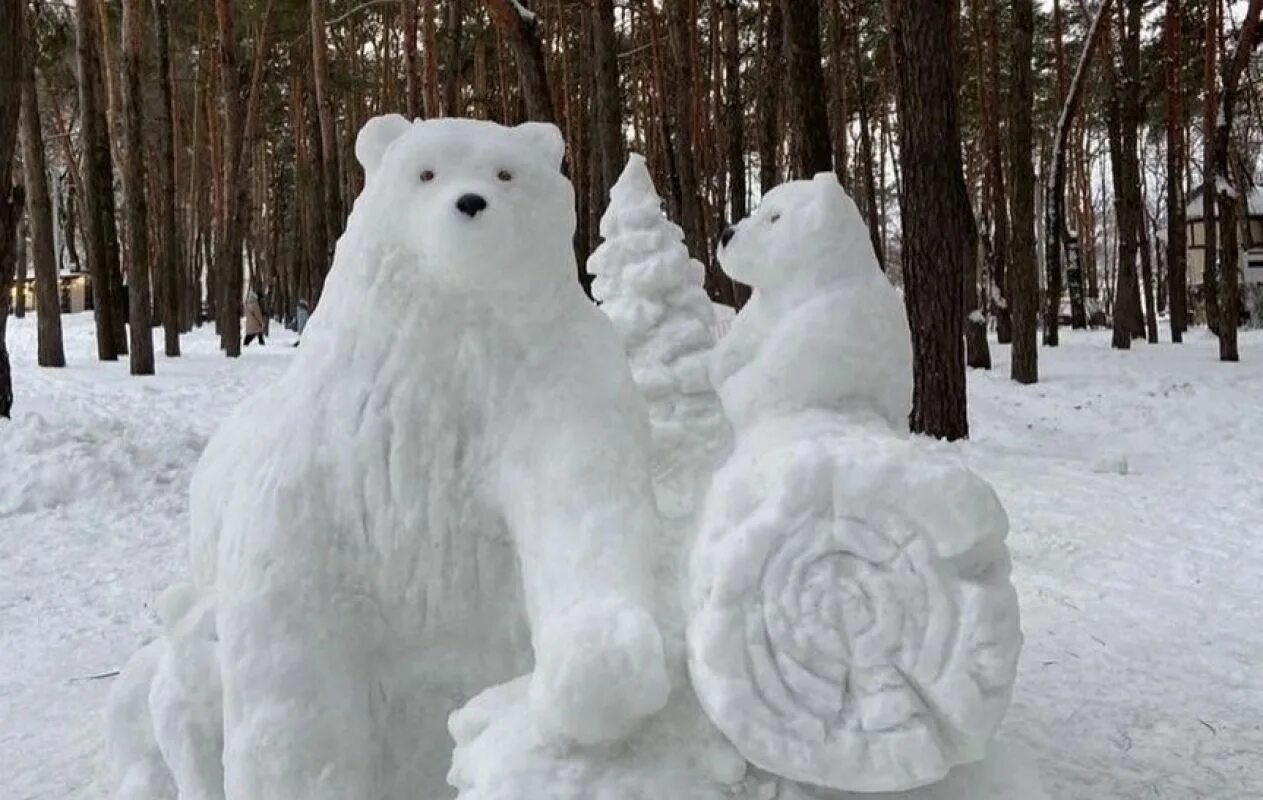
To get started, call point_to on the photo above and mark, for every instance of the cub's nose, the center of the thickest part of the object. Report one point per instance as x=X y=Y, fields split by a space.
x=471 y=204
x=726 y=236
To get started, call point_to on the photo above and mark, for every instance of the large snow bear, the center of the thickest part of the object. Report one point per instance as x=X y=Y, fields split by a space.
x=451 y=478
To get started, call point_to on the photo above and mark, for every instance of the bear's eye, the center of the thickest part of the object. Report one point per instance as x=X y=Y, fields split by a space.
x=505 y=175
x=775 y=218
x=427 y=175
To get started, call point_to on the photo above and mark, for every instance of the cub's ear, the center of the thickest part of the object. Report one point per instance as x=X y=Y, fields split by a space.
x=832 y=201
x=376 y=135
x=545 y=139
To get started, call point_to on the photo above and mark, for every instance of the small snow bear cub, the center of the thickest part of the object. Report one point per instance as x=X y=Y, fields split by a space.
x=824 y=329
x=452 y=478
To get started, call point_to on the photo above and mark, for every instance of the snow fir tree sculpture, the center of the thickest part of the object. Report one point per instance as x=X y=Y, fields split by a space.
x=652 y=290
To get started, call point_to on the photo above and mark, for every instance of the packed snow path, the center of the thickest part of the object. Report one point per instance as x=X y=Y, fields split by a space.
x=1134 y=482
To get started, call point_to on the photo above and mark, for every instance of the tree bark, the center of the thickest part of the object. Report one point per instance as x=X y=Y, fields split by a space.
x=608 y=97
x=1210 y=254
x=1021 y=281
x=138 y=271
x=1127 y=192
x=1232 y=192
x=329 y=153
x=98 y=183
x=452 y=60
x=11 y=197
x=1146 y=277
x=412 y=74
x=169 y=237
x=1001 y=247
x=228 y=251
x=680 y=22
x=869 y=207
x=734 y=127
x=1055 y=196
x=1177 y=255
x=19 y=265
x=977 y=349
x=520 y=28
x=430 y=82
x=938 y=227
x=805 y=74
x=39 y=212
x=769 y=128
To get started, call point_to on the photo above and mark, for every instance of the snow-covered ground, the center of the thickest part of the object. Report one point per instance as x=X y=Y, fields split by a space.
x=1134 y=482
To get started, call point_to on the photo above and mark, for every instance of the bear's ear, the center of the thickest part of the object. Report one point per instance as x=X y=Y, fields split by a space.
x=545 y=139
x=376 y=135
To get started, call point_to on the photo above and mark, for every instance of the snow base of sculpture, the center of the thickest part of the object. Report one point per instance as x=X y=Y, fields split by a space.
x=501 y=755
x=855 y=626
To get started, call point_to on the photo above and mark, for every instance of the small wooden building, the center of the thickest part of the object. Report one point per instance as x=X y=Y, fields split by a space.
x=1250 y=238
x=76 y=293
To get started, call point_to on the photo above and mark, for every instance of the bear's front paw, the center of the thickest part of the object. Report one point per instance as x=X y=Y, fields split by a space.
x=599 y=670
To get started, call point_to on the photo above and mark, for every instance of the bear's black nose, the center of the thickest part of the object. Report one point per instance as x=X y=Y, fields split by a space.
x=471 y=204
x=726 y=236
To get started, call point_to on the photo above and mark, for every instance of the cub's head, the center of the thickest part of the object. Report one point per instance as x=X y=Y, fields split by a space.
x=479 y=205
x=803 y=231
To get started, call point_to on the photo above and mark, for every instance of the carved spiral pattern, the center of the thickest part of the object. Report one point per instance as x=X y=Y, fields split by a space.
x=844 y=635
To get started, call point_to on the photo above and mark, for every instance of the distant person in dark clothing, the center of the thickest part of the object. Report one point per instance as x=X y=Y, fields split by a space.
x=300 y=317
x=255 y=323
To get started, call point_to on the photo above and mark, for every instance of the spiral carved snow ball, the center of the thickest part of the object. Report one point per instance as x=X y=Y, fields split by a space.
x=854 y=626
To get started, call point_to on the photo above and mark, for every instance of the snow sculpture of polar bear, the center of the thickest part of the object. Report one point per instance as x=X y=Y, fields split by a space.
x=853 y=625
x=824 y=328
x=452 y=477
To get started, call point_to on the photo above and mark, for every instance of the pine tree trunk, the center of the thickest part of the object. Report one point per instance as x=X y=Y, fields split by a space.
x=430 y=81
x=1232 y=189
x=734 y=128
x=138 y=272
x=1146 y=280
x=804 y=72
x=608 y=98
x=839 y=105
x=869 y=207
x=1022 y=282
x=1228 y=278
x=521 y=31
x=1127 y=309
x=1177 y=256
x=977 y=348
x=452 y=59
x=11 y=197
x=999 y=203
x=769 y=128
x=19 y=264
x=734 y=112
x=228 y=250
x=938 y=227
x=1210 y=254
x=412 y=75
x=680 y=22
x=39 y=212
x=169 y=237
x=98 y=182
x=1055 y=196
x=329 y=155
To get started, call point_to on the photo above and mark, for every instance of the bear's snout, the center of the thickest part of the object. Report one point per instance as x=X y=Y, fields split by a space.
x=726 y=236
x=471 y=204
